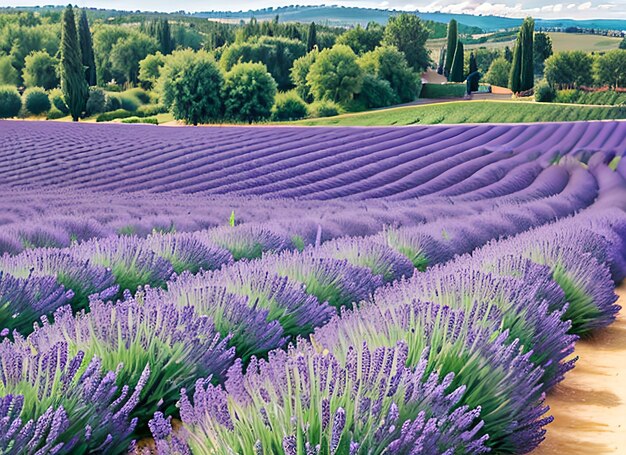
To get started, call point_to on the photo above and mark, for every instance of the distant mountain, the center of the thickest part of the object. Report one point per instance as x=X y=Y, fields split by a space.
x=339 y=15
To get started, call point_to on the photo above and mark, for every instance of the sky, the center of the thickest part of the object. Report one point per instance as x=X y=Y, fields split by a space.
x=547 y=9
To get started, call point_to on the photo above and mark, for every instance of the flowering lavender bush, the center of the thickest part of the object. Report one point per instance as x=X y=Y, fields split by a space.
x=175 y=343
x=130 y=260
x=363 y=252
x=335 y=281
x=250 y=329
x=186 y=253
x=24 y=300
x=58 y=402
x=245 y=241
x=286 y=302
x=307 y=402
x=497 y=375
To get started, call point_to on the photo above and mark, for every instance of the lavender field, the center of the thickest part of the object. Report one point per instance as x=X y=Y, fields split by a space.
x=290 y=290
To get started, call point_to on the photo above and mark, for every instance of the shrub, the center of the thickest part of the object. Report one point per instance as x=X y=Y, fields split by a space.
x=97 y=101
x=58 y=101
x=54 y=114
x=377 y=92
x=140 y=94
x=544 y=93
x=249 y=92
x=289 y=106
x=129 y=101
x=498 y=73
x=113 y=102
x=443 y=91
x=10 y=102
x=151 y=109
x=324 y=109
x=150 y=120
x=36 y=101
x=119 y=113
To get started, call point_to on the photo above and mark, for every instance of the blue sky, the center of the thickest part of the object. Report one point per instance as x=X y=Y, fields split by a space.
x=577 y=9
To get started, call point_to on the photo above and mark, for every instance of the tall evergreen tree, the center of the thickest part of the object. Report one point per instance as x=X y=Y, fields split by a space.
x=522 y=70
x=311 y=37
x=165 y=37
x=73 y=83
x=453 y=38
x=473 y=68
x=456 y=71
x=442 y=60
x=516 y=66
x=86 y=49
x=527 y=74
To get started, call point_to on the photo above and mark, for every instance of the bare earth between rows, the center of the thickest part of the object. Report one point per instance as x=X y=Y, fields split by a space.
x=589 y=406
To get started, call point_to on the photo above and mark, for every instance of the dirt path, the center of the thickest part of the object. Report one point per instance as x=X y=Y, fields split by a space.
x=589 y=406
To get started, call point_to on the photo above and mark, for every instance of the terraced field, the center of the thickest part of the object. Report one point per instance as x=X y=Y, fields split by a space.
x=283 y=290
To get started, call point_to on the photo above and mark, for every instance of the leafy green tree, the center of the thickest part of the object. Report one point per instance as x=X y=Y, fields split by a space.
x=335 y=75
x=610 y=68
x=408 y=33
x=150 y=69
x=498 y=73
x=73 y=83
x=542 y=49
x=8 y=73
x=311 y=37
x=622 y=44
x=249 y=92
x=569 y=69
x=300 y=71
x=10 y=101
x=190 y=86
x=104 y=38
x=276 y=53
x=508 y=54
x=86 y=48
x=451 y=45
x=41 y=70
x=36 y=101
x=456 y=72
x=387 y=63
x=128 y=52
x=362 y=40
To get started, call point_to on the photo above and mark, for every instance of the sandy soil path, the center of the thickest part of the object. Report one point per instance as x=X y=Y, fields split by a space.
x=589 y=406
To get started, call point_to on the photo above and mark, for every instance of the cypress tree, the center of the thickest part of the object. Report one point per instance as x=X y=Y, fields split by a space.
x=456 y=72
x=453 y=38
x=473 y=68
x=86 y=49
x=73 y=83
x=527 y=73
x=165 y=37
x=311 y=37
x=516 y=66
x=508 y=54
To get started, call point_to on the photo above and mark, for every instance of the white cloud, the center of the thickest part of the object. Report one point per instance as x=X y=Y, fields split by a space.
x=584 y=6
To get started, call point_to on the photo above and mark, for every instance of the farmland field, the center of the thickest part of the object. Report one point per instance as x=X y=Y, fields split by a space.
x=293 y=290
x=473 y=112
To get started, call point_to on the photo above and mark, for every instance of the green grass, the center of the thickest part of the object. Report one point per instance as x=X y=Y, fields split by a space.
x=472 y=112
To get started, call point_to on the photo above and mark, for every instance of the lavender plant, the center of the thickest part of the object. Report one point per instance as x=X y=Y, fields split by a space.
x=54 y=401
x=186 y=253
x=175 y=343
x=497 y=376
x=245 y=241
x=286 y=302
x=306 y=402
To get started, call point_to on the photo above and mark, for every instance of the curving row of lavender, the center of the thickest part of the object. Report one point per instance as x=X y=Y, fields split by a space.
x=427 y=310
